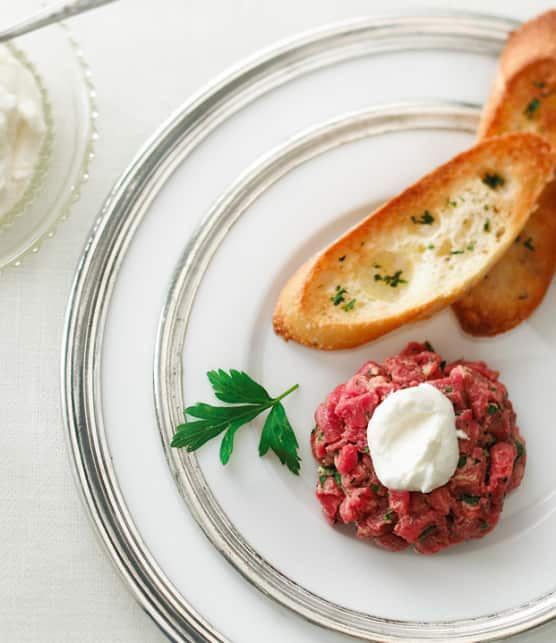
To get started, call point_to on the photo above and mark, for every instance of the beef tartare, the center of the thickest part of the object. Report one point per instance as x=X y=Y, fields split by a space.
x=491 y=460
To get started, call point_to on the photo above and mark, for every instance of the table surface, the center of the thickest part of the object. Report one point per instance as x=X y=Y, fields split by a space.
x=56 y=584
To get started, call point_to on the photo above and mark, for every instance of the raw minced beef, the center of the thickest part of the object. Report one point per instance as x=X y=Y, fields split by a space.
x=491 y=463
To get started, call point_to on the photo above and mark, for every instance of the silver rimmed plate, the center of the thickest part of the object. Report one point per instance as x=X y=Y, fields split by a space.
x=219 y=288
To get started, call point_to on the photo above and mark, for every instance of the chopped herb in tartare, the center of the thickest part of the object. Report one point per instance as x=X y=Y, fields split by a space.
x=493 y=408
x=470 y=500
x=489 y=463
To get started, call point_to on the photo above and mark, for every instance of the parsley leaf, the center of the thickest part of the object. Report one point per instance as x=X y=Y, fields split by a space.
x=279 y=436
x=249 y=399
x=237 y=387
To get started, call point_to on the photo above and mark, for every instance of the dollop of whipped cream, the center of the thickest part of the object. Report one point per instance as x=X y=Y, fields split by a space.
x=413 y=439
x=22 y=128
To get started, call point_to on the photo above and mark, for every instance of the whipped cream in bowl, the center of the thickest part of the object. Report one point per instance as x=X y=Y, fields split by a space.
x=25 y=133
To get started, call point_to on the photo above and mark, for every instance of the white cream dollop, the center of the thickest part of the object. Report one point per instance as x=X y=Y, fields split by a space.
x=22 y=128
x=413 y=439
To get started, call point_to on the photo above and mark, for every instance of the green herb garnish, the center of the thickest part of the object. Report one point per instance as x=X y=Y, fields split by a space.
x=443 y=364
x=391 y=280
x=493 y=408
x=486 y=225
x=493 y=180
x=339 y=296
x=326 y=472
x=470 y=500
x=520 y=449
x=388 y=515
x=532 y=107
x=528 y=243
x=448 y=389
x=395 y=279
x=539 y=83
x=457 y=252
x=375 y=488
x=428 y=346
x=338 y=478
x=430 y=246
x=425 y=219
x=427 y=531
x=350 y=305
x=462 y=461
x=250 y=399
x=471 y=246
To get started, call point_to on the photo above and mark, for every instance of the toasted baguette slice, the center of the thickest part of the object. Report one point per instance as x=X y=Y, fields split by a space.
x=420 y=251
x=523 y=98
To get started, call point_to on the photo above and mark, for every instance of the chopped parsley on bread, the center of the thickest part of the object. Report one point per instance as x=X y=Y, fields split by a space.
x=419 y=252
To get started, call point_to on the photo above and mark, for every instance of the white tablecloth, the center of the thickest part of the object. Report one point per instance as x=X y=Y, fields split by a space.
x=147 y=57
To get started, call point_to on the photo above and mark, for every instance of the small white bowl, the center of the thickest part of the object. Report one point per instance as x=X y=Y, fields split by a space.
x=56 y=61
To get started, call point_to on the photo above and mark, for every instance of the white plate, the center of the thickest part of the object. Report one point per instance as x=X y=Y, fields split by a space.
x=280 y=541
